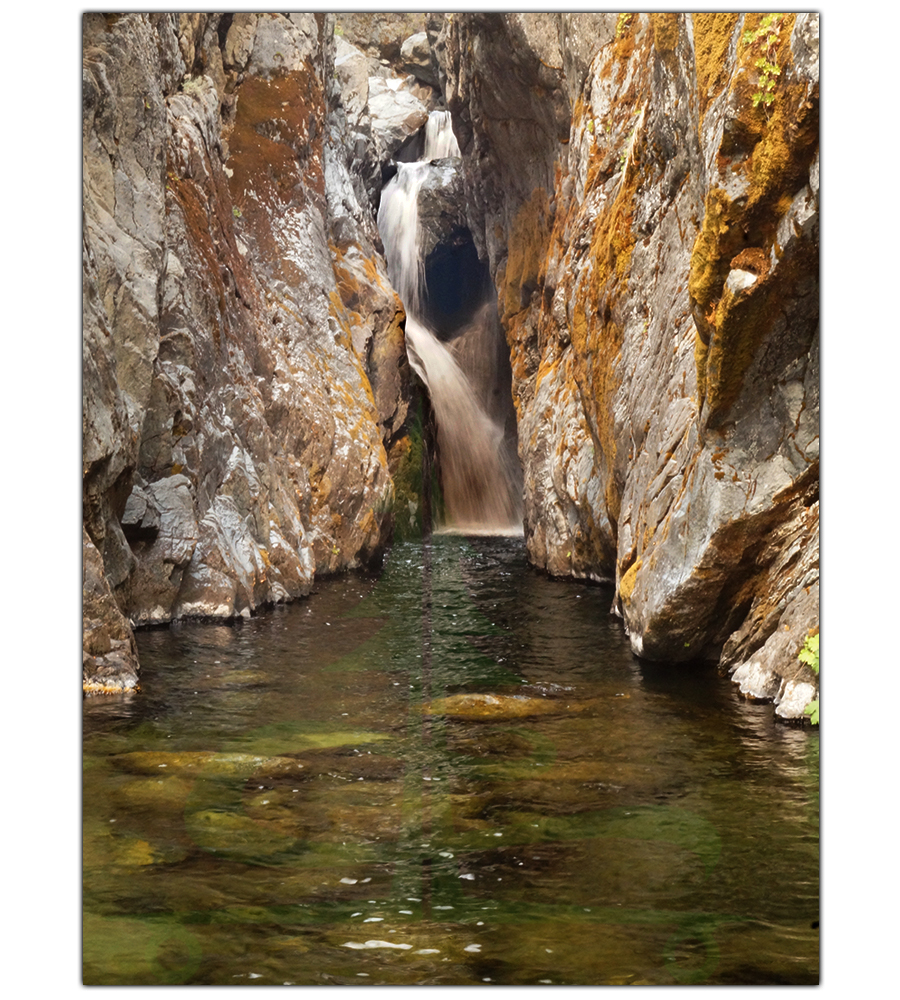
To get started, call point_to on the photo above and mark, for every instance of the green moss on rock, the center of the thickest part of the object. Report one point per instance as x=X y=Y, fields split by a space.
x=409 y=501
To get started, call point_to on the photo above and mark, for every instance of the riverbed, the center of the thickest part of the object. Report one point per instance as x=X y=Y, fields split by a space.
x=450 y=771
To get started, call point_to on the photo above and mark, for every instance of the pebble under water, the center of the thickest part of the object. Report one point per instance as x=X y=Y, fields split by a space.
x=452 y=771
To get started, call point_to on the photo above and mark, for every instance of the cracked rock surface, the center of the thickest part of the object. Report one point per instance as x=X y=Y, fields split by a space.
x=244 y=368
x=651 y=223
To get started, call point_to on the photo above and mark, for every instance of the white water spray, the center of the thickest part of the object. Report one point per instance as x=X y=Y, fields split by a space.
x=481 y=491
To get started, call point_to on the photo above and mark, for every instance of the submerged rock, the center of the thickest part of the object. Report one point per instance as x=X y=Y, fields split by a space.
x=206 y=764
x=493 y=706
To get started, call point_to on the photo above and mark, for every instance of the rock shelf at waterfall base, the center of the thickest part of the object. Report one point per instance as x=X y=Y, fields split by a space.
x=560 y=268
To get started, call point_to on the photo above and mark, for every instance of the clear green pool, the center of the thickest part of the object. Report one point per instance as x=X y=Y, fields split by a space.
x=450 y=772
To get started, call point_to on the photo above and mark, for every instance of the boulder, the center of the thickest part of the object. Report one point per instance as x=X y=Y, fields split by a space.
x=396 y=114
x=351 y=68
x=417 y=58
x=380 y=35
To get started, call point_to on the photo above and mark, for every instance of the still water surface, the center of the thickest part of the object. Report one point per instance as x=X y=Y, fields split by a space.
x=450 y=772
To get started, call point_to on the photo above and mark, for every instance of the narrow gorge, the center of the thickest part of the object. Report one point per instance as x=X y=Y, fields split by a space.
x=623 y=223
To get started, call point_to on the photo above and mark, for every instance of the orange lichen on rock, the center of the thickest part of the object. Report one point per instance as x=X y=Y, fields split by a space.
x=753 y=259
x=772 y=145
x=95 y=688
x=528 y=240
x=713 y=33
x=275 y=159
x=665 y=28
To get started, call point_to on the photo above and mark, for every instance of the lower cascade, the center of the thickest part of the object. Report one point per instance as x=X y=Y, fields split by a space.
x=459 y=366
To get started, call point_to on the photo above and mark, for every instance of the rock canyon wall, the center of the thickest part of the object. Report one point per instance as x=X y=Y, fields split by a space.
x=644 y=191
x=245 y=380
x=645 y=187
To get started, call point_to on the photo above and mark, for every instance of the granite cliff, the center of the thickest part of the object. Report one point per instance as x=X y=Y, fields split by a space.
x=645 y=187
x=245 y=380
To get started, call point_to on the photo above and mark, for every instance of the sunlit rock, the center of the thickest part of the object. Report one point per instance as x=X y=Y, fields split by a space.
x=655 y=251
x=240 y=390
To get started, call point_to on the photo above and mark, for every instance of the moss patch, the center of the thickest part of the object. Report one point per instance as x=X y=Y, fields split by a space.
x=277 y=129
x=720 y=239
x=665 y=32
x=528 y=240
x=275 y=156
x=406 y=458
x=713 y=33
x=773 y=147
x=626 y=584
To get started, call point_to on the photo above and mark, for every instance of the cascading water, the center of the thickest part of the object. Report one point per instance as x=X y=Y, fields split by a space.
x=479 y=475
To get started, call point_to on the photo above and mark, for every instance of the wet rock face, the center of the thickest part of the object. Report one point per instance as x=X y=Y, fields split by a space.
x=457 y=283
x=651 y=223
x=244 y=367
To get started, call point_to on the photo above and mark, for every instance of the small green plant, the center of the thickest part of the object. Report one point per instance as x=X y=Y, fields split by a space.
x=236 y=212
x=623 y=156
x=192 y=85
x=809 y=655
x=765 y=39
x=590 y=125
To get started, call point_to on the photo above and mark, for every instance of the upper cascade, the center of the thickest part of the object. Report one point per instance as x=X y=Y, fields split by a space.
x=440 y=142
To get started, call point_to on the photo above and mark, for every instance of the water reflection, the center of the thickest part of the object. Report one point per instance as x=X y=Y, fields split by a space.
x=464 y=781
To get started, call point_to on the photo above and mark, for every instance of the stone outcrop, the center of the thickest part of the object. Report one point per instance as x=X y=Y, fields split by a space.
x=384 y=109
x=646 y=192
x=245 y=377
x=382 y=35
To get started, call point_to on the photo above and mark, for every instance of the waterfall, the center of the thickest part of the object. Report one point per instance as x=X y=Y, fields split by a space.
x=479 y=475
x=439 y=138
